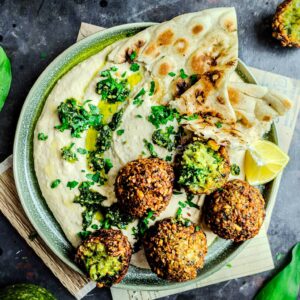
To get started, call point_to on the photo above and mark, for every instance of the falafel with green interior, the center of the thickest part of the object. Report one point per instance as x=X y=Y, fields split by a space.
x=235 y=212
x=286 y=23
x=105 y=256
x=175 y=249
x=204 y=167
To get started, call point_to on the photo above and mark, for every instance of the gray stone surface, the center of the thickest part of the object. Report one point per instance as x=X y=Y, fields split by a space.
x=34 y=32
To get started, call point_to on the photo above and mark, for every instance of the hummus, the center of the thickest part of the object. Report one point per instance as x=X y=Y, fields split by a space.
x=80 y=84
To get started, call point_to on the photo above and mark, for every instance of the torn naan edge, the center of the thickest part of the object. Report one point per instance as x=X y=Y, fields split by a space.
x=202 y=45
x=255 y=107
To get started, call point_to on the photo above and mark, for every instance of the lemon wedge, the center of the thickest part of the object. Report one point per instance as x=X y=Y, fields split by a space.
x=263 y=161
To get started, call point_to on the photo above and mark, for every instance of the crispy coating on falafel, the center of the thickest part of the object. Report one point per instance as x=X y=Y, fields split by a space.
x=286 y=26
x=235 y=212
x=204 y=167
x=105 y=256
x=174 y=250
x=144 y=184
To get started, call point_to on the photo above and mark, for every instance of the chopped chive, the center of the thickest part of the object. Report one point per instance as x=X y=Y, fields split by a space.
x=152 y=88
x=42 y=136
x=72 y=184
x=55 y=183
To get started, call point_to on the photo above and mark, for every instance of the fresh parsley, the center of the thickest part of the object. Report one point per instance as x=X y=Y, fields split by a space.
x=150 y=148
x=132 y=56
x=82 y=151
x=72 y=184
x=137 y=100
x=134 y=67
x=219 y=124
x=120 y=131
x=162 y=115
x=235 y=170
x=68 y=154
x=55 y=183
x=112 y=89
x=152 y=88
x=182 y=74
x=42 y=136
x=172 y=74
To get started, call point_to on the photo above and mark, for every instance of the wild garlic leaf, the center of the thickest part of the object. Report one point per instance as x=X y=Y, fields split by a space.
x=5 y=77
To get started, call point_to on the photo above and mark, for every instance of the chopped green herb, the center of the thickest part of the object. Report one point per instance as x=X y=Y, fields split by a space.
x=163 y=138
x=150 y=148
x=120 y=131
x=132 y=56
x=42 y=136
x=55 y=183
x=94 y=226
x=229 y=265
x=191 y=117
x=197 y=228
x=235 y=170
x=279 y=256
x=114 y=69
x=123 y=74
x=137 y=100
x=172 y=74
x=112 y=89
x=179 y=212
x=84 y=234
x=162 y=115
x=182 y=74
x=134 y=67
x=82 y=151
x=181 y=204
x=193 y=79
x=189 y=201
x=76 y=118
x=67 y=153
x=139 y=116
x=107 y=165
x=104 y=138
x=152 y=88
x=219 y=125
x=168 y=158
x=72 y=184
x=177 y=192
x=116 y=120
x=97 y=178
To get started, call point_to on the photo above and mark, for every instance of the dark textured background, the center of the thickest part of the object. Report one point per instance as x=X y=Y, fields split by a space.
x=34 y=32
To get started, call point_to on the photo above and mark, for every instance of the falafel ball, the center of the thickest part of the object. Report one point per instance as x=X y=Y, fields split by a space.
x=175 y=250
x=286 y=26
x=235 y=212
x=204 y=167
x=104 y=256
x=144 y=184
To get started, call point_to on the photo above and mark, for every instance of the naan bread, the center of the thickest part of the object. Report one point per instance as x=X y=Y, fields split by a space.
x=203 y=44
x=255 y=108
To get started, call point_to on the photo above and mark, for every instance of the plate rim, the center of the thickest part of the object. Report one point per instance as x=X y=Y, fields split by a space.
x=102 y=34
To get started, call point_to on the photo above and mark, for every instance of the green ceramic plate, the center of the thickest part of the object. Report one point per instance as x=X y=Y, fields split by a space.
x=220 y=252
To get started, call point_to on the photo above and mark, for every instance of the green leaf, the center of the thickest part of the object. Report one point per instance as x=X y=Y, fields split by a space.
x=42 y=136
x=152 y=88
x=72 y=184
x=285 y=285
x=182 y=74
x=55 y=183
x=172 y=74
x=134 y=67
x=5 y=77
x=120 y=131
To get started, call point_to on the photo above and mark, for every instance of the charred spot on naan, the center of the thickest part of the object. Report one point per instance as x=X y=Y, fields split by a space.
x=136 y=47
x=228 y=23
x=165 y=38
x=151 y=50
x=234 y=96
x=181 y=45
x=164 y=69
x=197 y=29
